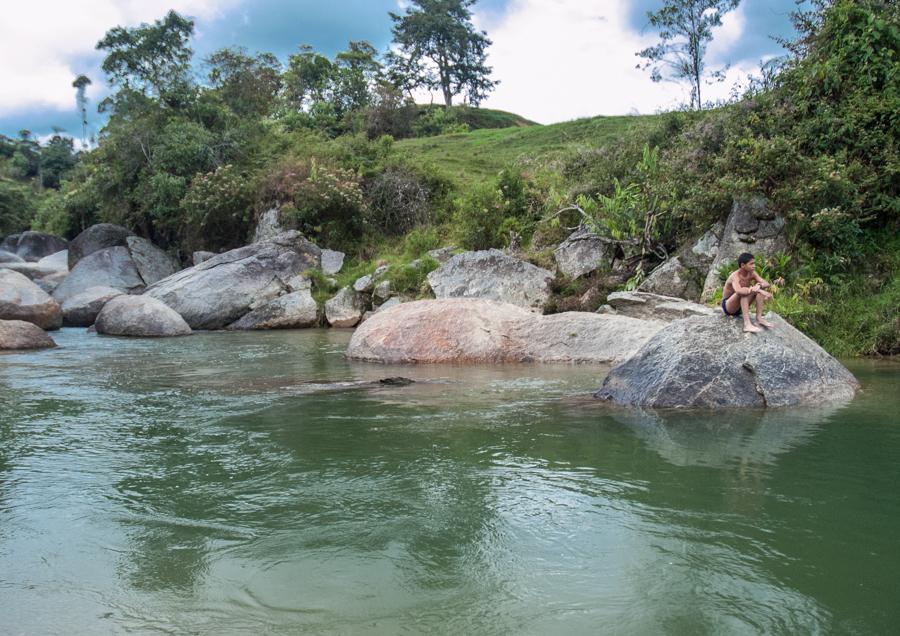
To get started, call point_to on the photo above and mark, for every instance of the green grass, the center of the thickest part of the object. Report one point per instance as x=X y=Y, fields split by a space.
x=468 y=158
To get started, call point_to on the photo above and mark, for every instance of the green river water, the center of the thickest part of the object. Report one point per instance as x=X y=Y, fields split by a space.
x=214 y=485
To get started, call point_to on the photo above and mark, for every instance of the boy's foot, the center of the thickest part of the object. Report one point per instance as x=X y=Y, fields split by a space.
x=752 y=329
x=764 y=323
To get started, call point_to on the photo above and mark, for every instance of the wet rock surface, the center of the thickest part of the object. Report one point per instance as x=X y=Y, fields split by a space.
x=708 y=362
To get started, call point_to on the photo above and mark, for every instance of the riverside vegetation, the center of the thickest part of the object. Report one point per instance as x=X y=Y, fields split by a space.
x=354 y=165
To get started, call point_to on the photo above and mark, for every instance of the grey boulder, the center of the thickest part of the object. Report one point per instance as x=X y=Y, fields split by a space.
x=346 y=309
x=332 y=262
x=58 y=261
x=708 y=362
x=95 y=238
x=18 y=335
x=466 y=330
x=291 y=311
x=654 y=306
x=582 y=253
x=21 y=299
x=217 y=292
x=109 y=267
x=684 y=274
x=200 y=256
x=752 y=227
x=33 y=246
x=81 y=309
x=50 y=282
x=492 y=275
x=9 y=257
x=152 y=263
x=140 y=316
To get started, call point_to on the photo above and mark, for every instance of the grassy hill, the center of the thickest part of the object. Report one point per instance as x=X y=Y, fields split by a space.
x=470 y=157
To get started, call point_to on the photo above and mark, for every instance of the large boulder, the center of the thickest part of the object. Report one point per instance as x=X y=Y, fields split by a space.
x=17 y=335
x=33 y=246
x=346 y=309
x=684 y=274
x=21 y=299
x=140 y=316
x=291 y=311
x=81 y=309
x=462 y=330
x=654 y=306
x=709 y=362
x=50 y=282
x=109 y=267
x=96 y=238
x=218 y=291
x=492 y=275
x=32 y=271
x=582 y=253
x=9 y=257
x=152 y=263
x=753 y=226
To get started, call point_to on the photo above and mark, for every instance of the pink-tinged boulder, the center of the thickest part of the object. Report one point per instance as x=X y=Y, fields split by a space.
x=18 y=335
x=464 y=330
x=21 y=299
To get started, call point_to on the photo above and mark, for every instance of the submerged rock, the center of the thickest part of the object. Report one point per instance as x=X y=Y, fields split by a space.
x=492 y=275
x=219 y=291
x=140 y=316
x=17 y=335
x=708 y=362
x=21 y=299
x=291 y=311
x=482 y=331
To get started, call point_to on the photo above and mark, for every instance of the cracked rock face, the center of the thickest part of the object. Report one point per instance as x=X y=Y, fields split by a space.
x=468 y=330
x=708 y=362
x=218 y=291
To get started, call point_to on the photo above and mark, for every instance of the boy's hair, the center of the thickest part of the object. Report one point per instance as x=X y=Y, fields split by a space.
x=744 y=258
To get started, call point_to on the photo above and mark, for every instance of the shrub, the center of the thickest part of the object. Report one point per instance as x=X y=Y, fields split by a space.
x=490 y=215
x=218 y=209
x=398 y=201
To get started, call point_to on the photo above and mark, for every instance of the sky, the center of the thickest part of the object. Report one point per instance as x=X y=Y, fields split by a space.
x=556 y=60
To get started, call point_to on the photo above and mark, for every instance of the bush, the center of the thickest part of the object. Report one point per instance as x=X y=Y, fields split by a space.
x=412 y=279
x=398 y=201
x=218 y=210
x=421 y=240
x=491 y=215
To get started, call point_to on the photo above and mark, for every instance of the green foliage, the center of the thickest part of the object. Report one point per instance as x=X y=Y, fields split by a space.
x=218 y=209
x=421 y=240
x=247 y=84
x=412 y=279
x=438 y=121
x=685 y=28
x=490 y=215
x=16 y=207
x=51 y=216
x=438 y=48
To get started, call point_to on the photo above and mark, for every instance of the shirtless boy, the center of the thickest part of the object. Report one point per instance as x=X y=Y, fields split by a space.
x=743 y=288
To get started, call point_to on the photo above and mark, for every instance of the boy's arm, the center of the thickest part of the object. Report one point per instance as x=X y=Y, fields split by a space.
x=759 y=279
x=736 y=285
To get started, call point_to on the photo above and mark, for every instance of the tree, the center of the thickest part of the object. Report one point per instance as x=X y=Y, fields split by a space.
x=247 y=84
x=80 y=85
x=685 y=30
x=438 y=48
x=150 y=58
x=356 y=72
x=308 y=77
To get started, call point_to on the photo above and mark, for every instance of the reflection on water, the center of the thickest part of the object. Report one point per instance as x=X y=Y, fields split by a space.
x=208 y=485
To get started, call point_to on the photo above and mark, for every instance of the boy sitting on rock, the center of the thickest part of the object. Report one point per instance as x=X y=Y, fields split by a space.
x=743 y=287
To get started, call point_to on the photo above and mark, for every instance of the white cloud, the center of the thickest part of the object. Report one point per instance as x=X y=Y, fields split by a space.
x=44 y=44
x=564 y=59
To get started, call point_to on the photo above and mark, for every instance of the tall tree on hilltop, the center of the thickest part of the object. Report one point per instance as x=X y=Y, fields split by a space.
x=152 y=59
x=80 y=85
x=438 y=48
x=685 y=28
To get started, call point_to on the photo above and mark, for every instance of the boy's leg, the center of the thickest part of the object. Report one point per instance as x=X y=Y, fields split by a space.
x=760 y=301
x=745 y=313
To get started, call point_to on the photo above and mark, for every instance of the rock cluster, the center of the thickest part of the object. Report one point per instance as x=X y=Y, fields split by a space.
x=32 y=246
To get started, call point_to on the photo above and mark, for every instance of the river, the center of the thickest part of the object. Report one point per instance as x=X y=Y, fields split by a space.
x=221 y=484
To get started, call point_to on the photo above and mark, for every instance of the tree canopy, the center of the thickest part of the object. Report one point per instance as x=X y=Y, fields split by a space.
x=438 y=48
